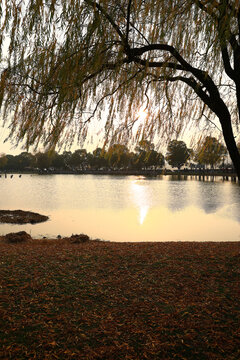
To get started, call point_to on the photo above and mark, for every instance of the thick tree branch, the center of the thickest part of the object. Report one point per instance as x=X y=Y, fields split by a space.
x=107 y=66
x=220 y=19
x=128 y=19
x=226 y=61
x=158 y=64
x=238 y=18
x=135 y=53
x=190 y=81
x=165 y=47
x=201 y=75
x=215 y=104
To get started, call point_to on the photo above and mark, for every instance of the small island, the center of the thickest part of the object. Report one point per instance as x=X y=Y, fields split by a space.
x=21 y=217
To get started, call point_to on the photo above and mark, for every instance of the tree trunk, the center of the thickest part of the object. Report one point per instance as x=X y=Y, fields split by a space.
x=231 y=143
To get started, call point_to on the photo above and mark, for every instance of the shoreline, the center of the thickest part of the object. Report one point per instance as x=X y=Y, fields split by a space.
x=69 y=240
x=130 y=172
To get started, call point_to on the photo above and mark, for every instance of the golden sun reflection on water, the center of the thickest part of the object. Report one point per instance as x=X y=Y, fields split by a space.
x=140 y=198
x=153 y=224
x=127 y=209
x=143 y=214
x=157 y=224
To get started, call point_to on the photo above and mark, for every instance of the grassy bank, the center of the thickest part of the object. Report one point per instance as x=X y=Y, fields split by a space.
x=101 y=300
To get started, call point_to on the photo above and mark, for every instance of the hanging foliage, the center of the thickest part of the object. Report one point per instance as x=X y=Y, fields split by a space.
x=68 y=62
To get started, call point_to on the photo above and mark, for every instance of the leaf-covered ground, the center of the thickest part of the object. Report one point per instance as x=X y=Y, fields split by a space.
x=102 y=300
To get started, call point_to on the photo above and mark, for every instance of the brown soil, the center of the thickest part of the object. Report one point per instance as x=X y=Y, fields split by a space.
x=21 y=217
x=126 y=301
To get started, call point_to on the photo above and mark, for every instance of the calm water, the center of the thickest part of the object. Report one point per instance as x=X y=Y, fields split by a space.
x=125 y=208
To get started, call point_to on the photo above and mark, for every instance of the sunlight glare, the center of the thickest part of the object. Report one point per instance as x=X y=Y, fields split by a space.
x=140 y=198
x=142 y=115
x=143 y=213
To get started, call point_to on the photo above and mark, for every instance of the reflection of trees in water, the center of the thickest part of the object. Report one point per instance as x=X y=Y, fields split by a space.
x=232 y=211
x=231 y=208
x=235 y=195
x=178 y=195
x=207 y=196
x=210 y=197
x=213 y=196
x=110 y=192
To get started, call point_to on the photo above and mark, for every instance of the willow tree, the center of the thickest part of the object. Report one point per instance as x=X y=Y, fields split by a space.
x=72 y=61
x=210 y=152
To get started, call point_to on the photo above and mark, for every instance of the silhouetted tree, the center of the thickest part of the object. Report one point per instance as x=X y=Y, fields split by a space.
x=24 y=160
x=67 y=158
x=146 y=156
x=12 y=163
x=57 y=160
x=177 y=153
x=3 y=161
x=43 y=160
x=117 y=156
x=79 y=159
x=210 y=152
x=154 y=158
x=98 y=159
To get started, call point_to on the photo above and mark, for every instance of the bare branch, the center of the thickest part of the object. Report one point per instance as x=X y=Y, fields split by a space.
x=111 y=94
x=206 y=9
x=139 y=32
x=94 y=4
x=128 y=19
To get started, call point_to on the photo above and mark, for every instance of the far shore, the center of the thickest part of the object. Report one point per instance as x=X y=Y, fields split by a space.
x=198 y=173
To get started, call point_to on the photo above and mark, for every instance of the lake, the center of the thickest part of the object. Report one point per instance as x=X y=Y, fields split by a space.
x=125 y=208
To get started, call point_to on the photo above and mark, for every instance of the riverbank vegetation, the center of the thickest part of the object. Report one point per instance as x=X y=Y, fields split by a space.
x=103 y=300
x=117 y=156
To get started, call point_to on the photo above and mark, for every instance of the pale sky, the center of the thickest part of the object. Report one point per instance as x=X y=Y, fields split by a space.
x=95 y=140
x=8 y=148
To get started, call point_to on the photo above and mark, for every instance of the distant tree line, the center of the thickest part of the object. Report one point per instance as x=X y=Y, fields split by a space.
x=209 y=153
